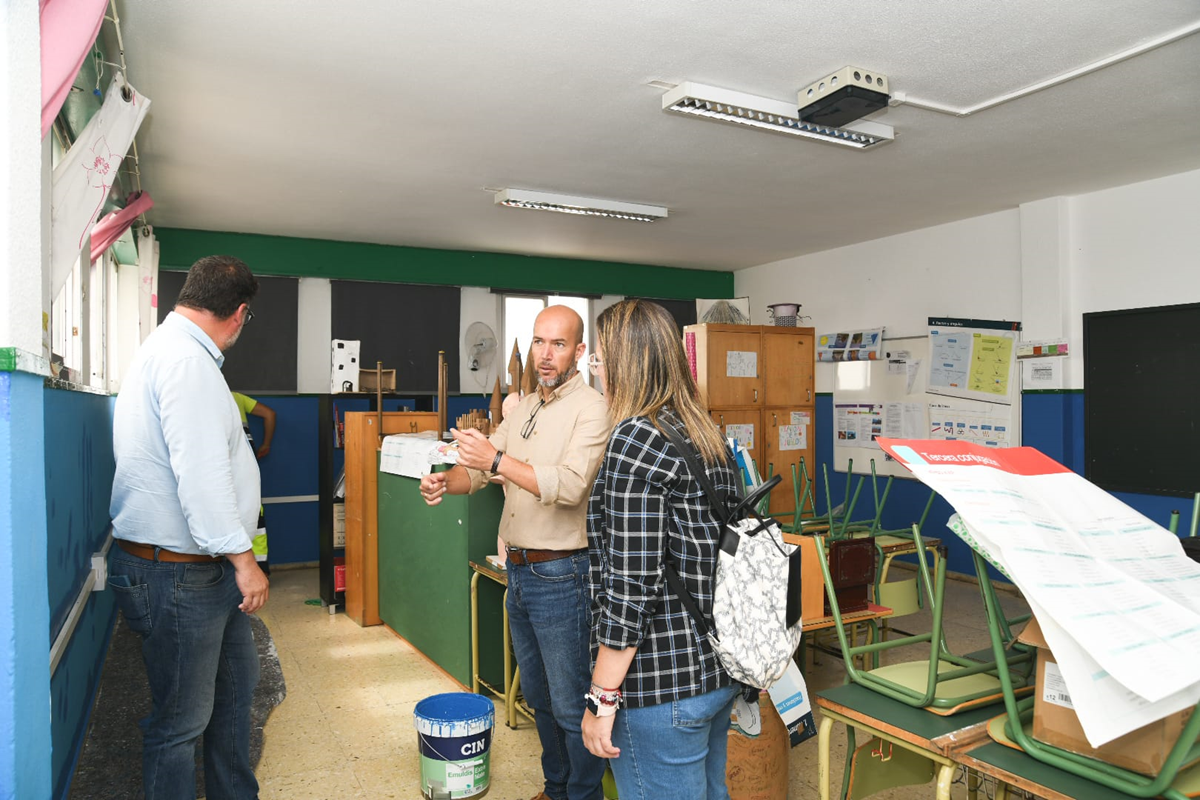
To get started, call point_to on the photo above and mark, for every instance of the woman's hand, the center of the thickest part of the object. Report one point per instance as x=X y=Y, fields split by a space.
x=597 y=735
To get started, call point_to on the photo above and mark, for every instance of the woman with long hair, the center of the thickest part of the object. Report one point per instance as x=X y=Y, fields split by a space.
x=660 y=701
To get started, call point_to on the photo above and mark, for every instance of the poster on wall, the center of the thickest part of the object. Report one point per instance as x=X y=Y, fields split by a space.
x=860 y=345
x=858 y=424
x=973 y=359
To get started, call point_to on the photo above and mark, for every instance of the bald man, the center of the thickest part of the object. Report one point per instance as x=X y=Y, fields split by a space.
x=548 y=452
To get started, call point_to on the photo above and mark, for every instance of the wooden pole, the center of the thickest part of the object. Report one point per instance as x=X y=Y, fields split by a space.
x=497 y=405
x=379 y=400
x=442 y=420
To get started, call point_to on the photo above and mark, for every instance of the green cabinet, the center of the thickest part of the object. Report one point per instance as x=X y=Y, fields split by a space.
x=424 y=578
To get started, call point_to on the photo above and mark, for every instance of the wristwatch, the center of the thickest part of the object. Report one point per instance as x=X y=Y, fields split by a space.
x=496 y=461
x=597 y=708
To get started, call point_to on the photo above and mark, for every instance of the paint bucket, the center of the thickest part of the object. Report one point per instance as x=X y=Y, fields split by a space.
x=454 y=735
x=784 y=314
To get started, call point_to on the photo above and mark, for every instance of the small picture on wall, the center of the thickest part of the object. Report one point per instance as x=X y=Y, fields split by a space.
x=724 y=312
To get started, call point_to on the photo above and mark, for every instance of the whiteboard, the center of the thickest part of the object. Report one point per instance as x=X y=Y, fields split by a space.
x=889 y=398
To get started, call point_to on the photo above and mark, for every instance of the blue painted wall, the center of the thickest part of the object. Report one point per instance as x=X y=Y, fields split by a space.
x=25 y=742
x=79 y=473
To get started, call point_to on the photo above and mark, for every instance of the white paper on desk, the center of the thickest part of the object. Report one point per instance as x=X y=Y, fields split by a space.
x=1117 y=593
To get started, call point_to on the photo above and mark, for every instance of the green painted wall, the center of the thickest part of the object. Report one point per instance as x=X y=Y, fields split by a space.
x=321 y=258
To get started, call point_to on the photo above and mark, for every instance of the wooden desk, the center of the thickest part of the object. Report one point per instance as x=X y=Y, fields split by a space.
x=1012 y=767
x=914 y=729
x=512 y=675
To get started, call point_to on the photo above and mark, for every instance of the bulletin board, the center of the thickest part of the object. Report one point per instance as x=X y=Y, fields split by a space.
x=889 y=397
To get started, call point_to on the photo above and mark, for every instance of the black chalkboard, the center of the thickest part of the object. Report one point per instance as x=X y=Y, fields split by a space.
x=1140 y=399
x=264 y=358
x=684 y=311
x=403 y=325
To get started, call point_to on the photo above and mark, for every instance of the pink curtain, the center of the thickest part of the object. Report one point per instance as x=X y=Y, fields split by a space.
x=68 y=29
x=110 y=227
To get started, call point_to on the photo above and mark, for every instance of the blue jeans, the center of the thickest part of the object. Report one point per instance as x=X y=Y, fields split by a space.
x=550 y=621
x=674 y=750
x=202 y=666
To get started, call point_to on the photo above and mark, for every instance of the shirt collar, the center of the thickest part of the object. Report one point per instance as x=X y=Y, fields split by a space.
x=564 y=388
x=184 y=324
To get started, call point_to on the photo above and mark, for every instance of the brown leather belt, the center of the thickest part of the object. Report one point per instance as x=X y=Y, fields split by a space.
x=147 y=552
x=521 y=556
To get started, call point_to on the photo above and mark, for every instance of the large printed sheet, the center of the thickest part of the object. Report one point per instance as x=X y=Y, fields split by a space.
x=1117 y=599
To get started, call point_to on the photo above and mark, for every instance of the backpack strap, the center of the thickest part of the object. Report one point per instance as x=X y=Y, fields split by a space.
x=689 y=602
x=720 y=508
x=692 y=460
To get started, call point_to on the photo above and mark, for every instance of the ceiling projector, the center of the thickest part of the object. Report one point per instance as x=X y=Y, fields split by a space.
x=838 y=99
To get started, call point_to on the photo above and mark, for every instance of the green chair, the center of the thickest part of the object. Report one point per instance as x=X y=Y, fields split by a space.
x=944 y=683
x=1018 y=713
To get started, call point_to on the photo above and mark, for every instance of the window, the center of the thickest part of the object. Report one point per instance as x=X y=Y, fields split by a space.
x=521 y=310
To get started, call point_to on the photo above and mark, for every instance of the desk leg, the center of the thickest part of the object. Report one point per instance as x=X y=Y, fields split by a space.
x=823 y=734
x=510 y=703
x=973 y=781
x=944 y=779
x=474 y=633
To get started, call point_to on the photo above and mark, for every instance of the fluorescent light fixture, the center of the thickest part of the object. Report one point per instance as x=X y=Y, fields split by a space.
x=573 y=204
x=777 y=116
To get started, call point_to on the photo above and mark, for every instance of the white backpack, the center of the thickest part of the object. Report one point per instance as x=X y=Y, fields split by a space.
x=756 y=624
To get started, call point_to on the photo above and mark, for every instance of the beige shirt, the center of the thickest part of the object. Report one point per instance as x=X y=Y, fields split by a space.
x=570 y=433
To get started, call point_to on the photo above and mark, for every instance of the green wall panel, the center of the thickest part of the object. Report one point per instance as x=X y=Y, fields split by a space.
x=425 y=580
x=321 y=258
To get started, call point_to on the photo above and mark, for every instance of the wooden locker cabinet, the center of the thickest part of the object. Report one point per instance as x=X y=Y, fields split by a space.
x=776 y=460
x=782 y=387
x=713 y=349
x=787 y=366
x=724 y=417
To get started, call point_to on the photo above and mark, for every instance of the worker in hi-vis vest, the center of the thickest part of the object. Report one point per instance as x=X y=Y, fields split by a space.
x=248 y=405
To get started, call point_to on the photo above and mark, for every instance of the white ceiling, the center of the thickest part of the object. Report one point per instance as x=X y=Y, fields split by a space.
x=384 y=120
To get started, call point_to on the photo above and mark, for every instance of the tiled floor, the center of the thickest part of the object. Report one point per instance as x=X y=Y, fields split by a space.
x=346 y=727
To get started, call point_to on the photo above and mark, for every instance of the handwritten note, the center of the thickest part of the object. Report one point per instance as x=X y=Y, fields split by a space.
x=741 y=364
x=793 y=437
x=743 y=433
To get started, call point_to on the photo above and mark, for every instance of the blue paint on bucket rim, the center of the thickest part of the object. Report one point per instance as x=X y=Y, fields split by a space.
x=454 y=714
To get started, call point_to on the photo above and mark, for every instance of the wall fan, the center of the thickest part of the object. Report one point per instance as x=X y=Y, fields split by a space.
x=480 y=344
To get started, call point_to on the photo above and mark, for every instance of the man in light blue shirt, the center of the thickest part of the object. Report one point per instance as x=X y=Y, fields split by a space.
x=184 y=507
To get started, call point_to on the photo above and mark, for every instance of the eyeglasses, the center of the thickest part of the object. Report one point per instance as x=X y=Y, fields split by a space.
x=594 y=363
x=249 y=315
x=527 y=428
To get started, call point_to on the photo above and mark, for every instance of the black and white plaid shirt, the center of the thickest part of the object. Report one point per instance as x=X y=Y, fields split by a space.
x=646 y=508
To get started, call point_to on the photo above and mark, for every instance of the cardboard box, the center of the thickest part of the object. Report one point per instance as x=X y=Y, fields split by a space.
x=366 y=380
x=1055 y=722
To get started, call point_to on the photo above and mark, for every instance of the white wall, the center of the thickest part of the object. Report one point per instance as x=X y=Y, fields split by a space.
x=477 y=304
x=1131 y=247
x=24 y=180
x=970 y=268
x=314 y=332
x=1046 y=264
